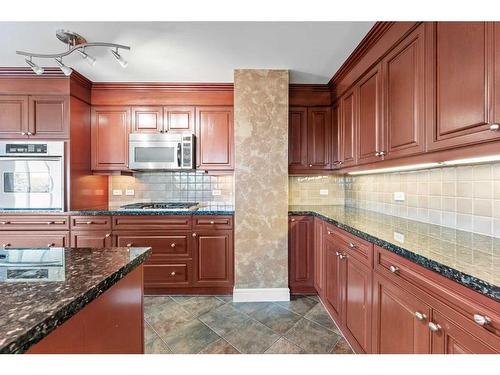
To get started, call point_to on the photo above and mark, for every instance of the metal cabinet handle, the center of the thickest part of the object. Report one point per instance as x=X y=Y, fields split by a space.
x=212 y=222
x=23 y=133
x=337 y=253
x=194 y=234
x=393 y=269
x=292 y=220
x=342 y=256
x=89 y=222
x=129 y=245
x=6 y=245
x=494 y=127
x=310 y=165
x=50 y=245
x=5 y=222
x=50 y=222
x=172 y=244
x=352 y=246
x=107 y=235
x=329 y=232
x=381 y=153
x=434 y=327
x=172 y=273
x=420 y=316
x=29 y=133
x=377 y=153
x=482 y=320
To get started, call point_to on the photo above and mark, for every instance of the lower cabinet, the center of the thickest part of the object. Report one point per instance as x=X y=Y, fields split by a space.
x=34 y=239
x=96 y=239
x=333 y=279
x=301 y=254
x=319 y=267
x=175 y=274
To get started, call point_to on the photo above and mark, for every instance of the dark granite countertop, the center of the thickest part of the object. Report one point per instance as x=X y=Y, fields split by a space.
x=37 y=301
x=470 y=259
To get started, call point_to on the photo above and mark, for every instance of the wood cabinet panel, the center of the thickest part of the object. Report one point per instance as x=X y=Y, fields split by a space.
x=319 y=127
x=110 y=129
x=214 y=259
x=212 y=222
x=396 y=327
x=404 y=99
x=319 y=256
x=92 y=238
x=336 y=141
x=34 y=222
x=179 y=119
x=34 y=239
x=178 y=274
x=215 y=138
x=147 y=119
x=301 y=254
x=370 y=130
x=297 y=139
x=48 y=117
x=333 y=279
x=86 y=223
x=164 y=246
x=348 y=127
x=173 y=222
x=13 y=116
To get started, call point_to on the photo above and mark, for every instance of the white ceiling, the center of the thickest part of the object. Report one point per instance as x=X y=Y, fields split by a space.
x=192 y=51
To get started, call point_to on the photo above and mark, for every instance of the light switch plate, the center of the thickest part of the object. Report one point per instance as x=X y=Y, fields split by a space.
x=400 y=237
x=130 y=192
x=323 y=192
x=117 y=192
x=216 y=192
x=399 y=196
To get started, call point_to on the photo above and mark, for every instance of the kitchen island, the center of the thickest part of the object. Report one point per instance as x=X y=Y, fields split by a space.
x=62 y=300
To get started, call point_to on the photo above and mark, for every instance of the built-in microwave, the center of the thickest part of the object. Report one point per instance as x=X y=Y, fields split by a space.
x=161 y=151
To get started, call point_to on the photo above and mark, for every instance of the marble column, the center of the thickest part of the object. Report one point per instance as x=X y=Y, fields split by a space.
x=261 y=181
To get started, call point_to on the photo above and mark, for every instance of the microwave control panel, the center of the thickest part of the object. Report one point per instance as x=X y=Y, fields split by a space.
x=26 y=148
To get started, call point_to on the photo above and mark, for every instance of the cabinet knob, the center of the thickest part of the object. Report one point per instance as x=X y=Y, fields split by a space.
x=29 y=133
x=292 y=220
x=89 y=222
x=23 y=133
x=6 y=245
x=172 y=273
x=381 y=153
x=342 y=256
x=393 y=269
x=107 y=235
x=377 y=153
x=194 y=234
x=172 y=244
x=50 y=245
x=351 y=245
x=50 y=222
x=129 y=245
x=494 y=127
x=337 y=253
x=329 y=232
x=212 y=222
x=5 y=222
x=420 y=316
x=341 y=162
x=310 y=165
x=434 y=327
x=482 y=320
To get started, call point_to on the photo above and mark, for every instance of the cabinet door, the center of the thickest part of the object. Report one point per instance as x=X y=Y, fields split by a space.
x=147 y=120
x=369 y=104
x=404 y=78
x=319 y=260
x=399 y=320
x=215 y=143
x=357 y=300
x=49 y=116
x=348 y=120
x=96 y=239
x=34 y=239
x=110 y=128
x=301 y=254
x=171 y=274
x=333 y=279
x=453 y=337
x=297 y=139
x=214 y=258
x=179 y=119
x=13 y=116
x=463 y=83
x=319 y=135
x=335 y=136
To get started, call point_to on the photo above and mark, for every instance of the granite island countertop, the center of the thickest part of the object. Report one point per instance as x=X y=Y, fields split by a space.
x=470 y=259
x=36 y=301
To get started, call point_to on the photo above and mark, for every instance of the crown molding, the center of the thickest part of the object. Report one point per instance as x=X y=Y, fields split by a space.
x=375 y=33
x=161 y=86
x=11 y=72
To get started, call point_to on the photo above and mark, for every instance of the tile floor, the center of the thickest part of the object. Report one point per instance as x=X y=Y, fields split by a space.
x=216 y=325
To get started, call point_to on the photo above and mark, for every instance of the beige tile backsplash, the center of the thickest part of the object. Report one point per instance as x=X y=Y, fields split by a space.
x=306 y=190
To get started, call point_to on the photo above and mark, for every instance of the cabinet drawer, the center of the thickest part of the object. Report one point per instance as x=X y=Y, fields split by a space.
x=43 y=239
x=151 y=222
x=35 y=222
x=213 y=222
x=171 y=274
x=164 y=246
x=447 y=293
x=90 y=222
x=357 y=247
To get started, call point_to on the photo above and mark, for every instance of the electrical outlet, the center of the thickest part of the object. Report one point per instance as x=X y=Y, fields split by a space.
x=400 y=237
x=399 y=196
x=117 y=192
x=323 y=191
x=216 y=192
x=130 y=192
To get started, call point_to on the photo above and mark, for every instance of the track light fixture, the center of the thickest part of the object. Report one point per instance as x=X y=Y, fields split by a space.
x=37 y=69
x=76 y=43
x=119 y=58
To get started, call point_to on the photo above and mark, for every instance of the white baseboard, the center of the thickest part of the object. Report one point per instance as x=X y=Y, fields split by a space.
x=261 y=294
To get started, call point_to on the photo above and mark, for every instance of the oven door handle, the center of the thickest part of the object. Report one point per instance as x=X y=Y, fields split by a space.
x=179 y=155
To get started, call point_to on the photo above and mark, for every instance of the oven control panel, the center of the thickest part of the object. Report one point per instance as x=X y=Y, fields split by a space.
x=26 y=148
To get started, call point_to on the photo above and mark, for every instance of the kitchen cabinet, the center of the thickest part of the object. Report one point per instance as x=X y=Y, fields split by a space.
x=165 y=245
x=91 y=238
x=110 y=127
x=42 y=116
x=333 y=279
x=215 y=138
x=404 y=96
x=213 y=258
x=465 y=108
x=179 y=119
x=168 y=119
x=301 y=254
x=319 y=251
x=335 y=136
x=348 y=128
x=297 y=139
x=42 y=239
x=147 y=119
x=370 y=130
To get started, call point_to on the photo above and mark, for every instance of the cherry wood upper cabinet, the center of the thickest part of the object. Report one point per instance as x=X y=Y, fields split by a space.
x=178 y=119
x=465 y=71
x=110 y=128
x=301 y=254
x=335 y=136
x=13 y=116
x=297 y=139
x=319 y=127
x=399 y=320
x=348 y=128
x=48 y=117
x=370 y=130
x=404 y=96
x=215 y=138
x=147 y=119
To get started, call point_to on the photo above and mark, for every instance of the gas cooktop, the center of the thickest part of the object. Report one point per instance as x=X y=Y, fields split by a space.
x=161 y=206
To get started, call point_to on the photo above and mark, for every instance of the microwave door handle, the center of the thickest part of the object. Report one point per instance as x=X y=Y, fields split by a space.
x=179 y=155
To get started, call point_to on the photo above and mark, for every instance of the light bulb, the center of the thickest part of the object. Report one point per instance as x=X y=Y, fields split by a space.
x=37 y=69
x=65 y=69
x=87 y=58
x=119 y=58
